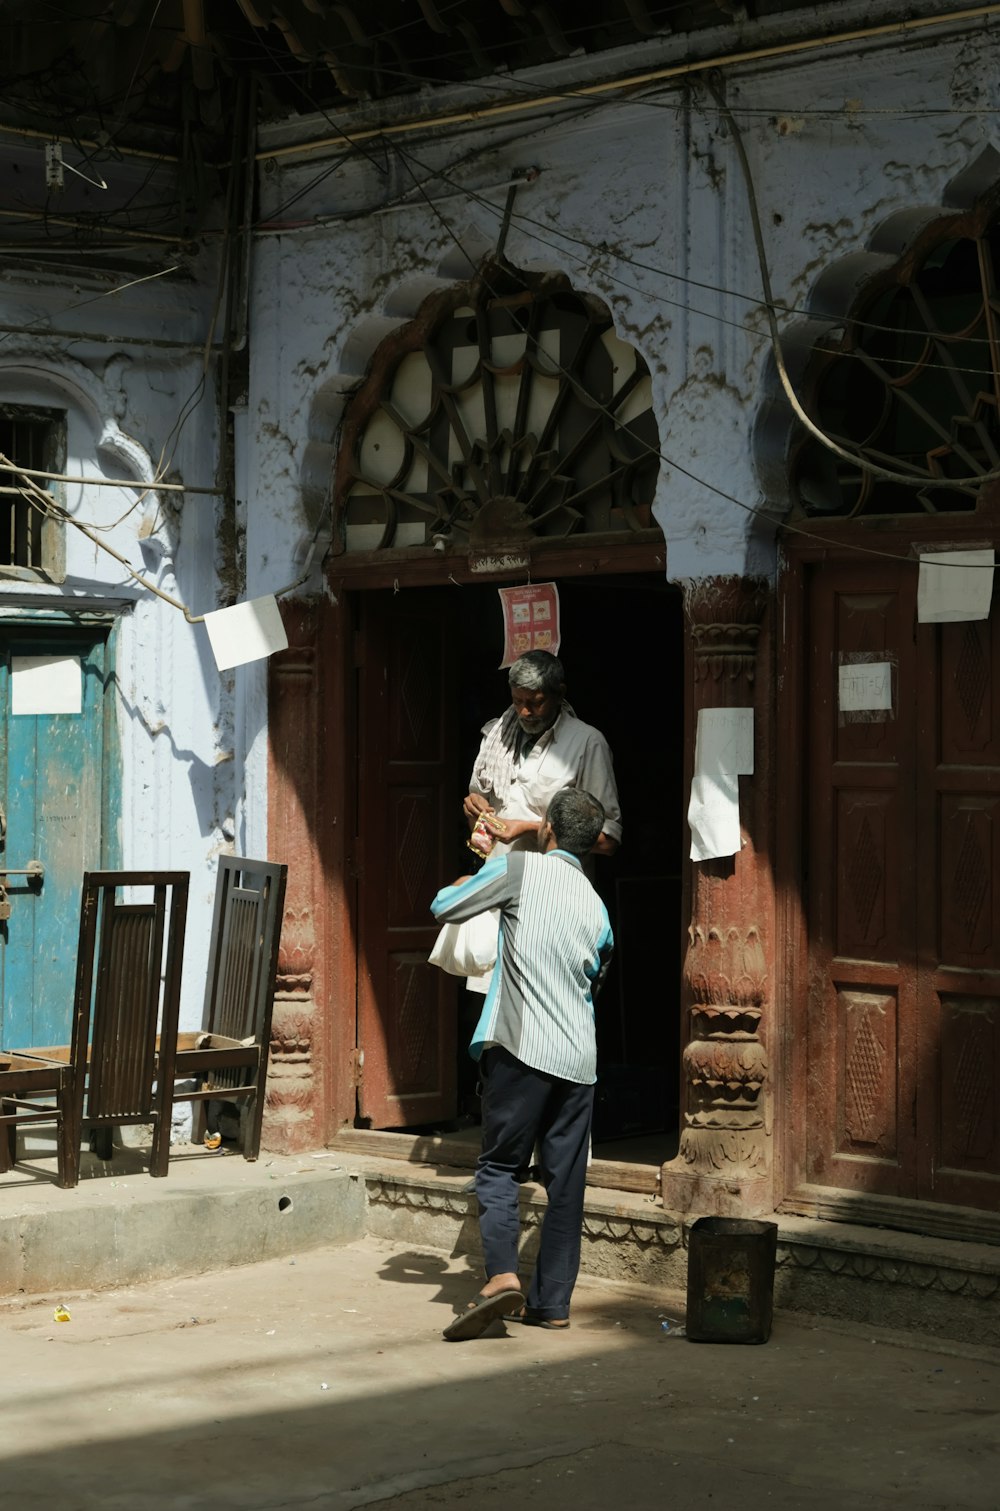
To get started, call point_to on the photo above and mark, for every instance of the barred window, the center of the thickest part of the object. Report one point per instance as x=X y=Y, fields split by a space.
x=35 y=439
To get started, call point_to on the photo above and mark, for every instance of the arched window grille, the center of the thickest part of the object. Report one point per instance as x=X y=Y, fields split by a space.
x=507 y=408
x=913 y=382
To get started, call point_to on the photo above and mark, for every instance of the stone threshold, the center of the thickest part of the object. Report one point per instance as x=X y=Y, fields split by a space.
x=456 y=1153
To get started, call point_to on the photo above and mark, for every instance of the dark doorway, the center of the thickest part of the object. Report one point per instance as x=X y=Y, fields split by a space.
x=429 y=665
x=622 y=649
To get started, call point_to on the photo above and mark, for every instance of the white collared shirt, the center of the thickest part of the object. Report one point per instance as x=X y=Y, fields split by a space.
x=569 y=754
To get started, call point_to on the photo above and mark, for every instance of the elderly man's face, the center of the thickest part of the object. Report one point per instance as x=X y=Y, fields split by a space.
x=535 y=710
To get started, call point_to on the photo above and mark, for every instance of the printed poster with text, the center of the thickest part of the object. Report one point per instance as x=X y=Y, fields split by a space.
x=530 y=620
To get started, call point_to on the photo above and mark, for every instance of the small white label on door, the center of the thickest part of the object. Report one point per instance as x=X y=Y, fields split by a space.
x=865 y=685
x=46 y=685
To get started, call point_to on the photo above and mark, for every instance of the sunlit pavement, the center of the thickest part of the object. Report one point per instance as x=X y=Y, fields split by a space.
x=323 y=1381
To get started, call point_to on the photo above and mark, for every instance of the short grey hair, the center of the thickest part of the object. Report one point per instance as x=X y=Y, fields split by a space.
x=539 y=671
x=576 y=819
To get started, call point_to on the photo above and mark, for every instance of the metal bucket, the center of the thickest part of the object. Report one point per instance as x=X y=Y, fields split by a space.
x=730 y=1283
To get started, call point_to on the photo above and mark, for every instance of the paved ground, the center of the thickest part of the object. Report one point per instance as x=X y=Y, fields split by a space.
x=323 y=1381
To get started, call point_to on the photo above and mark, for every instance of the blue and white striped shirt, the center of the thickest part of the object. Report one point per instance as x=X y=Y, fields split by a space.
x=555 y=939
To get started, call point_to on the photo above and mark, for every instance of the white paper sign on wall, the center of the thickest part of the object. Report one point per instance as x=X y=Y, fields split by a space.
x=724 y=742
x=714 y=815
x=46 y=685
x=246 y=632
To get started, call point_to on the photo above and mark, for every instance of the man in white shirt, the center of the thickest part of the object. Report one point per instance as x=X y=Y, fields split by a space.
x=534 y=750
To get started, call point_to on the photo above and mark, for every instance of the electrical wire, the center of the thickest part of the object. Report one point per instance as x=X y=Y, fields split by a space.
x=606 y=250
x=618 y=251
x=776 y=525
x=49 y=508
x=855 y=455
x=689 y=67
x=769 y=307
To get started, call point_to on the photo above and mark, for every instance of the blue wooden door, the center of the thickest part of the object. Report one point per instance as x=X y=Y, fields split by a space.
x=58 y=787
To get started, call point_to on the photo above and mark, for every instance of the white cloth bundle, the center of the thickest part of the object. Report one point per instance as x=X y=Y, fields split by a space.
x=469 y=948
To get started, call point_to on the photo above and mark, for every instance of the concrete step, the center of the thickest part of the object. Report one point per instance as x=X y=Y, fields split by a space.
x=120 y=1227
x=945 y=1289
x=212 y=1212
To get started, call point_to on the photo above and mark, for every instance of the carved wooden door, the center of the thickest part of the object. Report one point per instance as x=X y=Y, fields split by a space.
x=408 y=796
x=958 y=917
x=902 y=861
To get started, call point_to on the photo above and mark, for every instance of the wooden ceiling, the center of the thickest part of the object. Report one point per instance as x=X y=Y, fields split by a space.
x=135 y=69
x=119 y=118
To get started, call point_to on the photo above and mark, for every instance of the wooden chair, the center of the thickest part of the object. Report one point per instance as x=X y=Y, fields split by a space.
x=229 y=1056
x=128 y=978
x=23 y=1084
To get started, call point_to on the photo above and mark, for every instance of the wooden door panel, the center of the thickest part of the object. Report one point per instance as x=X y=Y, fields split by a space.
x=415 y=823
x=968 y=713
x=958 y=942
x=860 y=1053
x=866 y=868
x=408 y=795
x=965 y=1166
x=867 y=1059
x=415 y=1047
x=967 y=893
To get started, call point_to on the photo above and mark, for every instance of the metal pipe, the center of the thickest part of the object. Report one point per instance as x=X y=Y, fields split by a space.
x=76 y=225
x=48 y=332
x=103 y=482
x=49 y=136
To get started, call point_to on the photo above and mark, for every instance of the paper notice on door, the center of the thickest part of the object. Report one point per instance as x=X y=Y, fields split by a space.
x=530 y=620
x=864 y=686
x=954 y=586
x=46 y=685
x=724 y=742
x=246 y=632
x=714 y=815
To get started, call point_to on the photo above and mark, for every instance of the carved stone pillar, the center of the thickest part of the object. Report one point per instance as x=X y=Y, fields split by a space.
x=293 y=1118
x=723 y=1165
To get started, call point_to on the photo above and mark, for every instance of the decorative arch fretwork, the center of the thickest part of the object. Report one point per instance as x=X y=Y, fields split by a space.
x=911 y=379
x=507 y=410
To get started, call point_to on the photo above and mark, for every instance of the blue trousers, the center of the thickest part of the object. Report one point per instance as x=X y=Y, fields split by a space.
x=521 y=1108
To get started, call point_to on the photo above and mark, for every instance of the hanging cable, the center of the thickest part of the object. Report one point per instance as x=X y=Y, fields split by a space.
x=46 y=505
x=759 y=513
x=616 y=250
x=684 y=69
x=857 y=458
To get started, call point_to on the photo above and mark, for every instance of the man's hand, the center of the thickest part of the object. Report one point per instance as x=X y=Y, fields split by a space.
x=605 y=845
x=474 y=806
x=514 y=828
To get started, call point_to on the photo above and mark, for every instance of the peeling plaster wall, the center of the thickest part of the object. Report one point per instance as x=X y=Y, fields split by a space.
x=124 y=402
x=639 y=202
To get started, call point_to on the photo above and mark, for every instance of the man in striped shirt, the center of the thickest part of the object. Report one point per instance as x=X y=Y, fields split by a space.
x=537 y=1050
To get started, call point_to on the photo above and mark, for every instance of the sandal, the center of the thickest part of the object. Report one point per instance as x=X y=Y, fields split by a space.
x=480 y=1313
x=531 y=1319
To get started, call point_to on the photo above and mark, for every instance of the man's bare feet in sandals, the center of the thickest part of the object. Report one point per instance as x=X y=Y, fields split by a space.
x=499 y=1297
